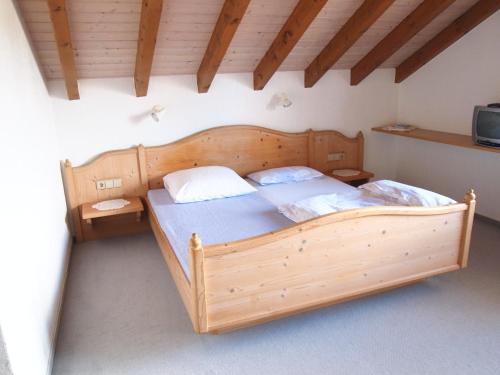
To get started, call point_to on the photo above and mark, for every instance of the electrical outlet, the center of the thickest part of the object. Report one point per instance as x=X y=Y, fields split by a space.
x=335 y=156
x=101 y=184
x=117 y=182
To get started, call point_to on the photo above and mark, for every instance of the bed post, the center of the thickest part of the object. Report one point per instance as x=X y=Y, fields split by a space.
x=69 y=187
x=310 y=148
x=143 y=171
x=197 y=284
x=470 y=201
x=361 y=149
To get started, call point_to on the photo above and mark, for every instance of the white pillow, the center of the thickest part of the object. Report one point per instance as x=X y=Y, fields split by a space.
x=204 y=183
x=406 y=195
x=284 y=174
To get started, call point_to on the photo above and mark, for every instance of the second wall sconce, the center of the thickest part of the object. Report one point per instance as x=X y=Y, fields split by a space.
x=157 y=112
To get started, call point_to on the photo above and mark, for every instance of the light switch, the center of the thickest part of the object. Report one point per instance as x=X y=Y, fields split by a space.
x=336 y=156
x=117 y=182
x=109 y=184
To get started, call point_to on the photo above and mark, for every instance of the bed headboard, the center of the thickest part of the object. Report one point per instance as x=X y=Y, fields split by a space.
x=243 y=148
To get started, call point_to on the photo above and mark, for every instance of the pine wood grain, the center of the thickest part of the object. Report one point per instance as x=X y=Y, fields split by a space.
x=148 y=30
x=453 y=139
x=62 y=34
x=229 y=19
x=457 y=29
x=325 y=260
x=105 y=35
x=352 y=30
x=296 y=25
x=400 y=35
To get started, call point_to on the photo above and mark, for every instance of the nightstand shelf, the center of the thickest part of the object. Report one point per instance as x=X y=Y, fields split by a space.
x=356 y=180
x=88 y=213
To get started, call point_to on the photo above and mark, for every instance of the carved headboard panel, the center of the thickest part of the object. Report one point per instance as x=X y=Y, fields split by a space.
x=243 y=148
x=329 y=142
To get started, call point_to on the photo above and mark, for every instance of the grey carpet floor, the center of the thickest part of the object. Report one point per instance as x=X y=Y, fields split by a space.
x=122 y=315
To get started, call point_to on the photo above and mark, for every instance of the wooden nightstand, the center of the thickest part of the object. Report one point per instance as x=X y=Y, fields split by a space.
x=88 y=213
x=362 y=178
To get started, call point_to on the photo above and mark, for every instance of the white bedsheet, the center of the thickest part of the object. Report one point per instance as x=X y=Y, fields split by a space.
x=236 y=218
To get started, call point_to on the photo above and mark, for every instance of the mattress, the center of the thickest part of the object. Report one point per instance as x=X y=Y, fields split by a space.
x=231 y=219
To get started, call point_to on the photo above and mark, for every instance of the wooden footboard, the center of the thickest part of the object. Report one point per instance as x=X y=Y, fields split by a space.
x=324 y=261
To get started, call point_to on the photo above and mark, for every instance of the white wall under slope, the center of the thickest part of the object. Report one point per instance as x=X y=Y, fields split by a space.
x=109 y=116
x=34 y=237
x=442 y=96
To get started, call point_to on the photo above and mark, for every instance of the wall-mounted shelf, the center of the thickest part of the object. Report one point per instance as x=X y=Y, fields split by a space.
x=453 y=139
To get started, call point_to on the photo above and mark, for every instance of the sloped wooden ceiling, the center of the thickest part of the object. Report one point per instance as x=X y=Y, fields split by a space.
x=105 y=33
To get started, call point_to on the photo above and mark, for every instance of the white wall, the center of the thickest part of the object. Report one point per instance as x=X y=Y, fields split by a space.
x=109 y=116
x=442 y=96
x=34 y=239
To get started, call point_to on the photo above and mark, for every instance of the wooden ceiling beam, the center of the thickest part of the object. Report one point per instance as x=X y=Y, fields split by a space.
x=148 y=31
x=229 y=19
x=457 y=29
x=302 y=16
x=399 y=36
x=353 y=29
x=60 y=25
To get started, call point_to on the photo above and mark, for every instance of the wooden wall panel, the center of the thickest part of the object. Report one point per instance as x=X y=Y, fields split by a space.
x=105 y=34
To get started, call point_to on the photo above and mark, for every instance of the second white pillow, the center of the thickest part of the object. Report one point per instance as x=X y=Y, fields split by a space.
x=284 y=174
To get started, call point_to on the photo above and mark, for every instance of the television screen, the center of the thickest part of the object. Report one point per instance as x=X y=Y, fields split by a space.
x=488 y=124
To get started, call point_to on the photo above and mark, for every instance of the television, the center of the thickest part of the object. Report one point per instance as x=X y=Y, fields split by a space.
x=486 y=125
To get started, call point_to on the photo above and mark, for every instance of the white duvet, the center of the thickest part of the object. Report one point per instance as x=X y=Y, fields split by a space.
x=379 y=193
x=324 y=204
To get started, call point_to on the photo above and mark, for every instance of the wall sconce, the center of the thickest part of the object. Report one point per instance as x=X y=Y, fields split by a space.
x=279 y=100
x=285 y=102
x=157 y=112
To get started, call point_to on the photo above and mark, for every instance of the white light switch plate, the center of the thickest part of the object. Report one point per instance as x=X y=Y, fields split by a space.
x=109 y=184
x=336 y=156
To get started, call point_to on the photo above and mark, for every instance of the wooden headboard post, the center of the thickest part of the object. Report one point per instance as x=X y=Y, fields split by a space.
x=143 y=170
x=310 y=148
x=71 y=201
x=361 y=149
x=243 y=148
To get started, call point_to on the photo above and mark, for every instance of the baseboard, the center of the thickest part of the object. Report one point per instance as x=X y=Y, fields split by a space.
x=60 y=299
x=488 y=219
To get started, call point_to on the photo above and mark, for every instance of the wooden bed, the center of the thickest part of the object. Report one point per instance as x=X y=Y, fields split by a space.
x=323 y=261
